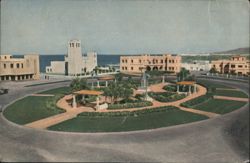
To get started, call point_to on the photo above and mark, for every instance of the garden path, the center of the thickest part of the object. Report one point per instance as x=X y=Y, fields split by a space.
x=43 y=95
x=232 y=98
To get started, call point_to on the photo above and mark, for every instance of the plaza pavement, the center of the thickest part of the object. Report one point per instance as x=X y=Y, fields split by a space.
x=211 y=140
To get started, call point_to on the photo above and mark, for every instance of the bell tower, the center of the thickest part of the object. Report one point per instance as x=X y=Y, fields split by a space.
x=74 y=57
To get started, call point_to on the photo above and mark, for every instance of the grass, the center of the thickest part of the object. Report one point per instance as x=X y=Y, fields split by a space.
x=219 y=106
x=151 y=120
x=33 y=108
x=32 y=85
x=60 y=90
x=211 y=85
x=230 y=93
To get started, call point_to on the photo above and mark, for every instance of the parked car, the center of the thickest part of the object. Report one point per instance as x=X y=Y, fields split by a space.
x=3 y=91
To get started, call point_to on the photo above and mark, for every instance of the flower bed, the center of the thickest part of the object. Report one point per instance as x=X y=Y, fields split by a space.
x=166 y=96
x=129 y=113
x=136 y=104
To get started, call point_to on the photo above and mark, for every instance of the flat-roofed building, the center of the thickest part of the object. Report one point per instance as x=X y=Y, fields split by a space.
x=19 y=68
x=75 y=63
x=197 y=65
x=165 y=62
x=236 y=65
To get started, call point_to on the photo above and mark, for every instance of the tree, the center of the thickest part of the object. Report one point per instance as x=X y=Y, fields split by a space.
x=118 y=90
x=183 y=74
x=118 y=77
x=78 y=84
x=213 y=70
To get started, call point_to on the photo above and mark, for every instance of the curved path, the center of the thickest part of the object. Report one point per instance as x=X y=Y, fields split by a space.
x=204 y=141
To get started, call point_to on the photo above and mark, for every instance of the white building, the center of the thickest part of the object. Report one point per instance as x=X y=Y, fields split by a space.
x=75 y=63
x=197 y=65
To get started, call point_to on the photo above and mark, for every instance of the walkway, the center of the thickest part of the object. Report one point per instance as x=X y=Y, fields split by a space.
x=231 y=98
x=42 y=95
x=208 y=114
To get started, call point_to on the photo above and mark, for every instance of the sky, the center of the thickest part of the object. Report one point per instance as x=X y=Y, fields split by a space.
x=124 y=26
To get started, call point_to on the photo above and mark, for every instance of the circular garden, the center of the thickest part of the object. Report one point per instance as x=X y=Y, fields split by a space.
x=121 y=98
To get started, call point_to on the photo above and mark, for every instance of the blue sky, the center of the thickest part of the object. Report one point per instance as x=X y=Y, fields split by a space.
x=124 y=27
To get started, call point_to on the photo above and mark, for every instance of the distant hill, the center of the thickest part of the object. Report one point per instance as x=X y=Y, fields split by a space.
x=235 y=51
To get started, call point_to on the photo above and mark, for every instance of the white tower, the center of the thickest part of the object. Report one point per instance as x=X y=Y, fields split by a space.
x=74 y=57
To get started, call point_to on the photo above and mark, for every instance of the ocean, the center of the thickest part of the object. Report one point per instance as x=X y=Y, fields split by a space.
x=102 y=60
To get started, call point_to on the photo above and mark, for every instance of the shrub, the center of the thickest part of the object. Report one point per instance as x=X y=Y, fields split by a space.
x=166 y=96
x=129 y=113
x=130 y=105
x=170 y=88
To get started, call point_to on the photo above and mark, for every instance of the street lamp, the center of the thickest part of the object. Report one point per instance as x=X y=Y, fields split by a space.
x=92 y=79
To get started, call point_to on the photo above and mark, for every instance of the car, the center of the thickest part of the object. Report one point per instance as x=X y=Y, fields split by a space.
x=3 y=91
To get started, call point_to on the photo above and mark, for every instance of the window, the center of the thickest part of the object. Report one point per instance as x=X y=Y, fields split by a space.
x=122 y=68
x=126 y=68
x=132 y=61
x=139 y=61
x=22 y=65
x=122 y=61
x=17 y=65
x=4 y=65
x=11 y=65
x=240 y=66
x=132 y=68
x=232 y=66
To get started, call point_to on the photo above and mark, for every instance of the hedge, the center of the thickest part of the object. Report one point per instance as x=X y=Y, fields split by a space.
x=166 y=96
x=128 y=113
x=130 y=105
x=170 y=88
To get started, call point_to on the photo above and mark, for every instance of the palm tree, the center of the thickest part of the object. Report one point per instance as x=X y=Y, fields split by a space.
x=183 y=74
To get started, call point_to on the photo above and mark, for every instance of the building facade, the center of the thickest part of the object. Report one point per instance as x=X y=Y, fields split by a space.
x=75 y=63
x=165 y=62
x=25 y=68
x=236 y=65
x=197 y=65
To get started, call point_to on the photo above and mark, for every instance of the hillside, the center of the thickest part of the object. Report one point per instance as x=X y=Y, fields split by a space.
x=235 y=51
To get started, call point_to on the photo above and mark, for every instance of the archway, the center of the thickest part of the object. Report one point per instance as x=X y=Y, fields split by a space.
x=148 y=68
x=155 y=68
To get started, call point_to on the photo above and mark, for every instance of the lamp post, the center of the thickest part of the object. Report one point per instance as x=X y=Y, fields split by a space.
x=92 y=78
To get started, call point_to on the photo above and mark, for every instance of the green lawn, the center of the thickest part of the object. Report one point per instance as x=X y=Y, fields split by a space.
x=219 y=106
x=211 y=84
x=60 y=90
x=230 y=93
x=143 y=121
x=33 y=108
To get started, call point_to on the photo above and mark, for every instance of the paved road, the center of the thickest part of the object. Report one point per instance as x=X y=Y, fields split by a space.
x=213 y=140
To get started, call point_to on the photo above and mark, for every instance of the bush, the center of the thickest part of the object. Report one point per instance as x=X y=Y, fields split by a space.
x=129 y=113
x=197 y=100
x=130 y=105
x=170 y=88
x=140 y=96
x=166 y=96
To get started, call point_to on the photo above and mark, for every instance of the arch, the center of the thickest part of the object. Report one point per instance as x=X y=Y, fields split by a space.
x=148 y=68
x=155 y=68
